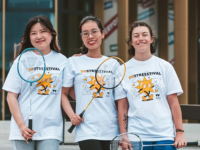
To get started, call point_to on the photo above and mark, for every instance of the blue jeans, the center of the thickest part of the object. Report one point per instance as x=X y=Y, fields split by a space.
x=171 y=147
x=50 y=144
x=137 y=145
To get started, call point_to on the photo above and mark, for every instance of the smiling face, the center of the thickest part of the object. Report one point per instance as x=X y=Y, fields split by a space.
x=40 y=38
x=94 y=39
x=141 y=40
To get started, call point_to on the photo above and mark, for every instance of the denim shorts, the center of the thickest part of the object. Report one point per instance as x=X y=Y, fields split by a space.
x=49 y=144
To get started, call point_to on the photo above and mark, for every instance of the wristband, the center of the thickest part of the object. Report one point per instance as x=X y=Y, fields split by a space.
x=179 y=130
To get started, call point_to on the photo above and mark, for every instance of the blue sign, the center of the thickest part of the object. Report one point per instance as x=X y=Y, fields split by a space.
x=171 y=16
x=108 y=5
x=171 y=38
x=146 y=14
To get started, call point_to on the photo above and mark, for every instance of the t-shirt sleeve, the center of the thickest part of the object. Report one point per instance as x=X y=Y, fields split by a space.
x=68 y=75
x=13 y=81
x=119 y=91
x=173 y=83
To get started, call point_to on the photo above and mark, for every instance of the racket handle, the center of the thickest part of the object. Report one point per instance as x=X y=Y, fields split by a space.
x=192 y=143
x=30 y=126
x=73 y=126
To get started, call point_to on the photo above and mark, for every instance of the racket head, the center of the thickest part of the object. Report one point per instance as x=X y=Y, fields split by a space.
x=128 y=141
x=31 y=60
x=106 y=72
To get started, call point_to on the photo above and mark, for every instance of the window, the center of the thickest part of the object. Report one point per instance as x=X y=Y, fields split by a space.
x=17 y=15
x=70 y=14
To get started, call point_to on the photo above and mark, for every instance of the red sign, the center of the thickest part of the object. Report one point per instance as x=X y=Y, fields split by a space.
x=110 y=26
x=147 y=3
x=172 y=62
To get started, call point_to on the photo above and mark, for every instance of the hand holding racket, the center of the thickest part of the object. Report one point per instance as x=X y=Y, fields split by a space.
x=105 y=76
x=133 y=141
x=26 y=132
x=76 y=119
x=180 y=140
x=31 y=68
x=125 y=143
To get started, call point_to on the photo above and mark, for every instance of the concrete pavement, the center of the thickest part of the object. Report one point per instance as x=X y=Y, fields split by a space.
x=6 y=145
x=192 y=133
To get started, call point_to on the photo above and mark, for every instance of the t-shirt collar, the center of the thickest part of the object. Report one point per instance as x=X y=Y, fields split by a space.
x=143 y=62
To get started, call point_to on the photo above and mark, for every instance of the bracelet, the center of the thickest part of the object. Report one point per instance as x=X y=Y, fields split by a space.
x=179 y=130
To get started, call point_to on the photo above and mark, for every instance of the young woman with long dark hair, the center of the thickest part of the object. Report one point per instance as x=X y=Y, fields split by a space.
x=46 y=95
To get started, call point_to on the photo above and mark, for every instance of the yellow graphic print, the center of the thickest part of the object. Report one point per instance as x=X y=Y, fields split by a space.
x=45 y=82
x=96 y=86
x=145 y=87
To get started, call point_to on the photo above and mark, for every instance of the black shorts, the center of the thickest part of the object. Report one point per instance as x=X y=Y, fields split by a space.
x=94 y=145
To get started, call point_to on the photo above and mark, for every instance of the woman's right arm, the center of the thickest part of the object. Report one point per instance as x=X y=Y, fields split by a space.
x=75 y=118
x=123 y=121
x=72 y=93
x=123 y=114
x=16 y=113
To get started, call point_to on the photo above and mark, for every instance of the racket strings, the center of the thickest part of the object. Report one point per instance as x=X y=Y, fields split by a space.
x=33 y=66
x=31 y=61
x=107 y=71
x=120 y=144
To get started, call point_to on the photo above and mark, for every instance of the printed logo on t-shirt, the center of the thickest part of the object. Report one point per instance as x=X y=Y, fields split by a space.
x=44 y=84
x=146 y=86
x=95 y=86
x=48 y=83
x=90 y=85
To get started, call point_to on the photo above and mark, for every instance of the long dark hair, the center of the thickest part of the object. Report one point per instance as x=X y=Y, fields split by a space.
x=131 y=49
x=46 y=23
x=84 y=49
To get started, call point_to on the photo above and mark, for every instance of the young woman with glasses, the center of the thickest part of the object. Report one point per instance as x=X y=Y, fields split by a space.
x=100 y=122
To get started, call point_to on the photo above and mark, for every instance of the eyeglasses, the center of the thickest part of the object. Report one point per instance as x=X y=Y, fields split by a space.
x=87 y=34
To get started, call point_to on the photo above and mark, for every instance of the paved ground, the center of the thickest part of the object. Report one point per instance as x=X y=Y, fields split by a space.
x=192 y=133
x=61 y=148
x=6 y=145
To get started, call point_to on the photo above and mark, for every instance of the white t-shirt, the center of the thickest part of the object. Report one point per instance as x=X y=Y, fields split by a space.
x=100 y=119
x=46 y=98
x=146 y=86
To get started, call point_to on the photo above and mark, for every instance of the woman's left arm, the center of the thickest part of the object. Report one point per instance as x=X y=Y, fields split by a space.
x=177 y=117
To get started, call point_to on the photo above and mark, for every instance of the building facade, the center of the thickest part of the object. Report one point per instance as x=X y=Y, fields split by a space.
x=175 y=23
